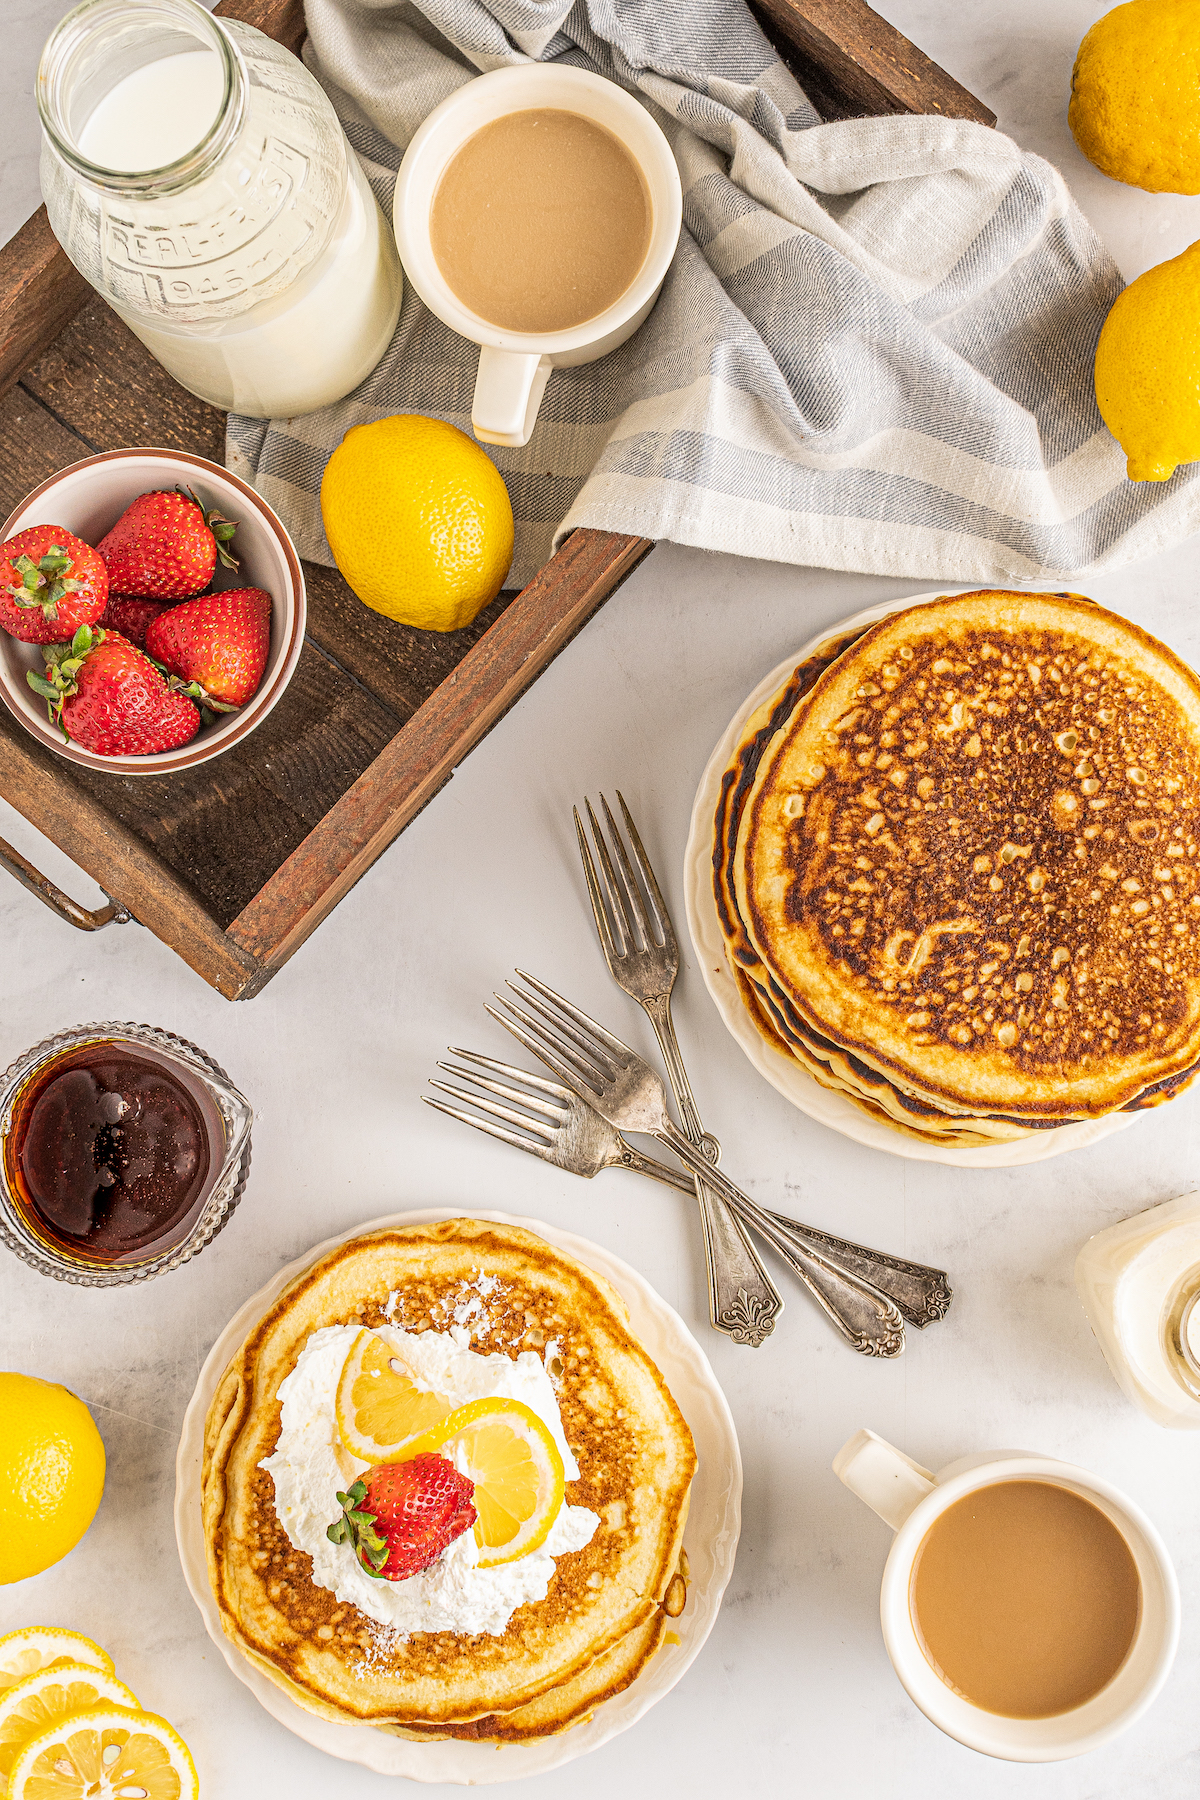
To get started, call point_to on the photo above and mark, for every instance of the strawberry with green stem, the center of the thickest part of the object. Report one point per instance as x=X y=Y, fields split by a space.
x=51 y=583
x=165 y=546
x=107 y=697
x=399 y=1517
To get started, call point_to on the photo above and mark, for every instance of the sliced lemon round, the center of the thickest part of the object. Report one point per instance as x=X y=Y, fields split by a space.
x=40 y=1700
x=505 y=1449
x=37 y=1646
x=106 y=1750
x=380 y=1408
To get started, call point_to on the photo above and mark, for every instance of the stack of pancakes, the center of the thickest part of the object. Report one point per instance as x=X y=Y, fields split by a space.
x=606 y=1612
x=957 y=867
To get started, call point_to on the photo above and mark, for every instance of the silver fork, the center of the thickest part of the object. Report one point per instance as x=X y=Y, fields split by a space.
x=629 y=928
x=612 y=1078
x=563 y=1130
x=643 y=958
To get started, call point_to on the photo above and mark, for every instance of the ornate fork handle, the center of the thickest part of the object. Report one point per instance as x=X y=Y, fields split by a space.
x=866 y=1318
x=743 y=1301
x=922 y=1294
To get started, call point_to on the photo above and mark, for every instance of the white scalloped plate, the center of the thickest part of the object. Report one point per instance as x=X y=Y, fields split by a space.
x=714 y=1519
x=793 y=1082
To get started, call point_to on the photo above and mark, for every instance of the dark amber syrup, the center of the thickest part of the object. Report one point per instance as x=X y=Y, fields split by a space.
x=112 y=1151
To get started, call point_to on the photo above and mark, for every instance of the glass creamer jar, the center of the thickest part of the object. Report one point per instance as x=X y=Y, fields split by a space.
x=1139 y=1282
x=197 y=176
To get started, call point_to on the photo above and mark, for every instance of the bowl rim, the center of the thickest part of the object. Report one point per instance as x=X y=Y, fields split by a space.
x=189 y=756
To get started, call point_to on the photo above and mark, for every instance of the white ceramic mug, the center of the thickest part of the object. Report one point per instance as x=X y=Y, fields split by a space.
x=909 y=1499
x=514 y=366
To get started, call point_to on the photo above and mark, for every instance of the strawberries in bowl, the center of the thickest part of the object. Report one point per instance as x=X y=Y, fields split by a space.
x=163 y=518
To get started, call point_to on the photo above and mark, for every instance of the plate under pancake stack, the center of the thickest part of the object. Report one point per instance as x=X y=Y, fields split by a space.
x=955 y=867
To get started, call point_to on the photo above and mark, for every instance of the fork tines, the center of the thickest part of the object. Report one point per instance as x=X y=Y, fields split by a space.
x=589 y=1057
x=535 y=1133
x=629 y=916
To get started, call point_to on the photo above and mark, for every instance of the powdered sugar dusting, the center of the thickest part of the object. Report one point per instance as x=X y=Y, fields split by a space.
x=467 y=1305
x=379 y=1650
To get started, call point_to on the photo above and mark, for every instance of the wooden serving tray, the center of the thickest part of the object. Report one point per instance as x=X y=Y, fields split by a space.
x=233 y=865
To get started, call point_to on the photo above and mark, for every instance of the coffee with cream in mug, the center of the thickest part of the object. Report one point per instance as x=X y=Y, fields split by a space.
x=540 y=221
x=1025 y=1598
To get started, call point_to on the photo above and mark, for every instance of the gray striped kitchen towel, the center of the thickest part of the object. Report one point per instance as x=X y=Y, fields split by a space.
x=873 y=350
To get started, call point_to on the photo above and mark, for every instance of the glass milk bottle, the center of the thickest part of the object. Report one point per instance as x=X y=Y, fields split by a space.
x=197 y=176
x=1140 y=1287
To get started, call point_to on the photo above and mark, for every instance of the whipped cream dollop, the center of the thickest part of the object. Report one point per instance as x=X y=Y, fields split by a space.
x=310 y=1464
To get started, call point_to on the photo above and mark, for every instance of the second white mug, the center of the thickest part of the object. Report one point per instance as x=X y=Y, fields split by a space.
x=910 y=1498
x=514 y=366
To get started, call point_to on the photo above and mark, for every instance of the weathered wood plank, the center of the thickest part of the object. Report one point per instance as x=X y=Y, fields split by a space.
x=855 y=64
x=226 y=827
x=41 y=787
x=32 y=445
x=102 y=383
x=40 y=291
x=421 y=758
x=398 y=663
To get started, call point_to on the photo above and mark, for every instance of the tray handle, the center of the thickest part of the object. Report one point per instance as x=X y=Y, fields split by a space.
x=53 y=897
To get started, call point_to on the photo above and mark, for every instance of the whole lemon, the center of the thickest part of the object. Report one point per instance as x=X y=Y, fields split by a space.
x=1135 y=95
x=1148 y=369
x=51 y=1474
x=418 y=520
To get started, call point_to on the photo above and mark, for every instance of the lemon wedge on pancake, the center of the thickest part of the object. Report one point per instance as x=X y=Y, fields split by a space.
x=505 y=1449
x=106 y=1749
x=40 y=1700
x=380 y=1408
x=37 y=1646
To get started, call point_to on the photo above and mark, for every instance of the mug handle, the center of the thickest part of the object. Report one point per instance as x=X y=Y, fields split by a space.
x=891 y=1483
x=508 y=392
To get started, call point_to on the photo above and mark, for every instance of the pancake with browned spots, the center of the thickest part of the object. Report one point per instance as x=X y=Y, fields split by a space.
x=602 y=1617
x=967 y=862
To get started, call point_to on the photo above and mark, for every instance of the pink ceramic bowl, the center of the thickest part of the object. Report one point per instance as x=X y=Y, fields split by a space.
x=88 y=498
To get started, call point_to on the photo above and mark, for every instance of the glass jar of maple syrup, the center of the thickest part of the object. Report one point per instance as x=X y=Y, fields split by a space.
x=123 y=1151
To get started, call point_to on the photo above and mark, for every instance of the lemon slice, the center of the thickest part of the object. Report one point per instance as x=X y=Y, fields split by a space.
x=36 y=1646
x=109 y=1752
x=380 y=1408
x=505 y=1449
x=39 y=1701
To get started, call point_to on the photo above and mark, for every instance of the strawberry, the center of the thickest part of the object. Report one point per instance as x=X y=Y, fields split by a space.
x=51 y=583
x=130 y=614
x=215 y=646
x=399 y=1517
x=109 y=698
x=166 y=546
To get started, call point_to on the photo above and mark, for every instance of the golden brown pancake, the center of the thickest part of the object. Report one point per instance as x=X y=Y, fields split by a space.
x=634 y=1451
x=866 y=1088
x=968 y=860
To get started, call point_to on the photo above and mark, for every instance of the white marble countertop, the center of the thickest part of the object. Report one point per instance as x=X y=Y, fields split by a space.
x=793 y=1693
